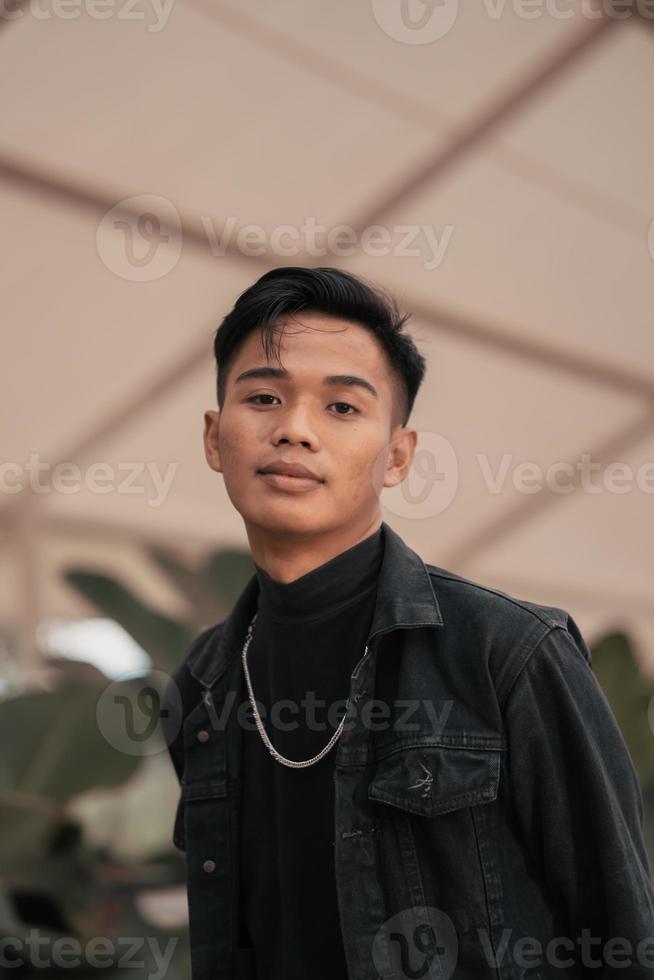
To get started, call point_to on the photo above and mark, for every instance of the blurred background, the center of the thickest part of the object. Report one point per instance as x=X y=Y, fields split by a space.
x=492 y=166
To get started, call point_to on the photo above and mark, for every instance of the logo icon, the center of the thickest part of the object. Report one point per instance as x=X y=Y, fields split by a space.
x=140 y=714
x=140 y=238
x=430 y=485
x=415 y=21
x=419 y=942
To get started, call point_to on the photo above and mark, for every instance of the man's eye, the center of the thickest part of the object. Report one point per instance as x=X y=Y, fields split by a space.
x=253 y=397
x=346 y=405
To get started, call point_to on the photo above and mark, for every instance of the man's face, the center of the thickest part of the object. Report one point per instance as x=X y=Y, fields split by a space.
x=341 y=432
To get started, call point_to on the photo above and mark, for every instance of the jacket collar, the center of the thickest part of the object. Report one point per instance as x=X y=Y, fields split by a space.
x=405 y=598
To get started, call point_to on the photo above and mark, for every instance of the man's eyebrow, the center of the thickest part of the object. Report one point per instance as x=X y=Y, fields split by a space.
x=331 y=379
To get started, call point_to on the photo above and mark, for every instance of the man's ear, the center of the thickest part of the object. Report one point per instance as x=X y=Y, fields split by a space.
x=211 y=428
x=400 y=456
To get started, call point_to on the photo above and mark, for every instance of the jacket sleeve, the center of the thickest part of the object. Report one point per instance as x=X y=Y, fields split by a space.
x=578 y=802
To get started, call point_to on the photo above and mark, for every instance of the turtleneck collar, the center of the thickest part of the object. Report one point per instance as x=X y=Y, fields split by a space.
x=336 y=583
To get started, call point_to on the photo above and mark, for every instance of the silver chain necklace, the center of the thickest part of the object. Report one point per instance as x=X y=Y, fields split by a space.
x=262 y=731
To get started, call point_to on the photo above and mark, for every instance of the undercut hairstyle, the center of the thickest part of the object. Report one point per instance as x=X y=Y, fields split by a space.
x=273 y=299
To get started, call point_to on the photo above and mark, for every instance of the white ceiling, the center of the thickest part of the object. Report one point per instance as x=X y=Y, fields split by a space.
x=526 y=145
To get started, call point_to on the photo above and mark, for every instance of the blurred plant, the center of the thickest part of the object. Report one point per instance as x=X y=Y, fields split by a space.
x=52 y=750
x=210 y=592
x=72 y=805
x=629 y=692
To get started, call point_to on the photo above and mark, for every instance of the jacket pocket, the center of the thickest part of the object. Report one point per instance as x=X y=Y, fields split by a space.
x=194 y=794
x=429 y=780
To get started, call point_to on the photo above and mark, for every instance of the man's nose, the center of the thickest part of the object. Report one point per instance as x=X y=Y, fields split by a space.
x=296 y=426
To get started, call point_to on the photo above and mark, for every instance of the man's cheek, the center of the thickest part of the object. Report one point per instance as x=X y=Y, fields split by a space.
x=229 y=449
x=355 y=487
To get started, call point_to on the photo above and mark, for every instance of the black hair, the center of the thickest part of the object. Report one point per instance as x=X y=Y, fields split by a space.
x=332 y=292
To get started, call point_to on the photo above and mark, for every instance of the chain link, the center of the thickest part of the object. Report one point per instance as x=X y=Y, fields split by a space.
x=262 y=731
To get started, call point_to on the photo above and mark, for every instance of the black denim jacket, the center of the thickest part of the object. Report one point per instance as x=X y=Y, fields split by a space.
x=488 y=820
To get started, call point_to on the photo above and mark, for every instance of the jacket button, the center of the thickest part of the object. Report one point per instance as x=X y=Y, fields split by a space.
x=203 y=736
x=209 y=866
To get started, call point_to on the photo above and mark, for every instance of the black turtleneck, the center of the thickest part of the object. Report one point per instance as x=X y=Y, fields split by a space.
x=308 y=637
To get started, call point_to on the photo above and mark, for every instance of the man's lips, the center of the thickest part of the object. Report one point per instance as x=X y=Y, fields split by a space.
x=296 y=470
x=290 y=476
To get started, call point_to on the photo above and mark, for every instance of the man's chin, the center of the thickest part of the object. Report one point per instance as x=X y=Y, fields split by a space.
x=290 y=514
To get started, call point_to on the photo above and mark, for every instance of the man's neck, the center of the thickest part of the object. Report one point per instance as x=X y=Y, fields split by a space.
x=287 y=556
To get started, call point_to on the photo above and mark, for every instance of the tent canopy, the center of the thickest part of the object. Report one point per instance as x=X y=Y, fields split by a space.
x=490 y=164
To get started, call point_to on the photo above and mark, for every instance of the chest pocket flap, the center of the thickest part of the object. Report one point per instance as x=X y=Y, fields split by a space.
x=430 y=780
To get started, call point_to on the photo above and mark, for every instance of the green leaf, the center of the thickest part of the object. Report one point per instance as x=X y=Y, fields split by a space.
x=629 y=692
x=162 y=638
x=53 y=746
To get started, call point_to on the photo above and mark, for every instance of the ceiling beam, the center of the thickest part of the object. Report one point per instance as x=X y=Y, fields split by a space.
x=383 y=96
x=530 y=506
x=485 y=124
x=512 y=340
x=97 y=202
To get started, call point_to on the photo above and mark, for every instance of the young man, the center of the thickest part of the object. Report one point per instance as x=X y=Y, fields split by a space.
x=432 y=783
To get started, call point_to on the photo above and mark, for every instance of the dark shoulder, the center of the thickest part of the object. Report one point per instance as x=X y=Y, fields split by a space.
x=495 y=630
x=482 y=601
